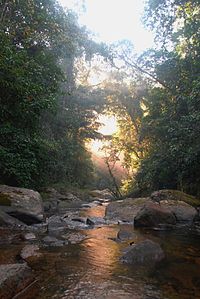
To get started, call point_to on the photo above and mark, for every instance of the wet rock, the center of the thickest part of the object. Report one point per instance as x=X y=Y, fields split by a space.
x=79 y=219
x=52 y=241
x=74 y=238
x=71 y=224
x=29 y=237
x=100 y=201
x=13 y=279
x=56 y=223
x=125 y=234
x=30 y=251
x=146 y=253
x=152 y=215
x=7 y=220
x=125 y=210
x=95 y=221
x=91 y=204
x=23 y=204
x=38 y=228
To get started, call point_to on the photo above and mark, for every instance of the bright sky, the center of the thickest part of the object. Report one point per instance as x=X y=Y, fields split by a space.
x=113 y=20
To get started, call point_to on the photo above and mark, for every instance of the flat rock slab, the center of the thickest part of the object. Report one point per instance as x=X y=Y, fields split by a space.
x=125 y=210
x=13 y=279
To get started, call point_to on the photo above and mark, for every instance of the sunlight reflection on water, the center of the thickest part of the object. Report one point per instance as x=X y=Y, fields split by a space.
x=92 y=268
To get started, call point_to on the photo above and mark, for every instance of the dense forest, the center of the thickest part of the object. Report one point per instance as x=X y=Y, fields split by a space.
x=49 y=111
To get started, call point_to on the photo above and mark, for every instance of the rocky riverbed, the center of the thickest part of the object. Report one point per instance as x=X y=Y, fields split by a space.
x=98 y=248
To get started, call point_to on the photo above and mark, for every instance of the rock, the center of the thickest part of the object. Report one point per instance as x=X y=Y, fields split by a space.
x=176 y=195
x=23 y=204
x=51 y=206
x=64 y=206
x=97 y=203
x=52 y=241
x=104 y=194
x=79 y=219
x=30 y=251
x=91 y=204
x=56 y=224
x=74 y=238
x=152 y=215
x=183 y=212
x=145 y=253
x=125 y=210
x=71 y=224
x=14 y=278
x=165 y=215
x=125 y=234
x=95 y=221
x=7 y=220
x=29 y=237
x=72 y=197
x=100 y=201
x=53 y=194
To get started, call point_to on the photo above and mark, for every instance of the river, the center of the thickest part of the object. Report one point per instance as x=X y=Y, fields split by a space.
x=92 y=268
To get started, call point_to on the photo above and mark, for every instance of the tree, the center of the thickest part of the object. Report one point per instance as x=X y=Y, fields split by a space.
x=43 y=122
x=172 y=122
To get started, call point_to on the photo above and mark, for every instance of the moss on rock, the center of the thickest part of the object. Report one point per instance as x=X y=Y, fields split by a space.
x=175 y=195
x=5 y=199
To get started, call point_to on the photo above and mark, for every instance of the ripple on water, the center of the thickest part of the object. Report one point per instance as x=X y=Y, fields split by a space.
x=91 y=268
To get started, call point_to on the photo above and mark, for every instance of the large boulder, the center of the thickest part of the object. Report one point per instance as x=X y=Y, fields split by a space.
x=145 y=253
x=23 y=204
x=153 y=215
x=176 y=195
x=125 y=210
x=183 y=212
x=165 y=214
x=14 y=278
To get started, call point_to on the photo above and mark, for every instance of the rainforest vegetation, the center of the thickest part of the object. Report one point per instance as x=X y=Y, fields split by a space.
x=49 y=108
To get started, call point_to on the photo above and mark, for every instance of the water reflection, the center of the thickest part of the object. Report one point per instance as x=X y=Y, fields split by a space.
x=92 y=270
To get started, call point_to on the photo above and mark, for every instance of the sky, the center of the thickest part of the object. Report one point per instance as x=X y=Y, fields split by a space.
x=113 y=20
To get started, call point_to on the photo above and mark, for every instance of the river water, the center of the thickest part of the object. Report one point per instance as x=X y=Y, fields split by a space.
x=92 y=269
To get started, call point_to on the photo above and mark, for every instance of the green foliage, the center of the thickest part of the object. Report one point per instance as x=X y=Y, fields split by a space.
x=159 y=123
x=171 y=125
x=44 y=118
